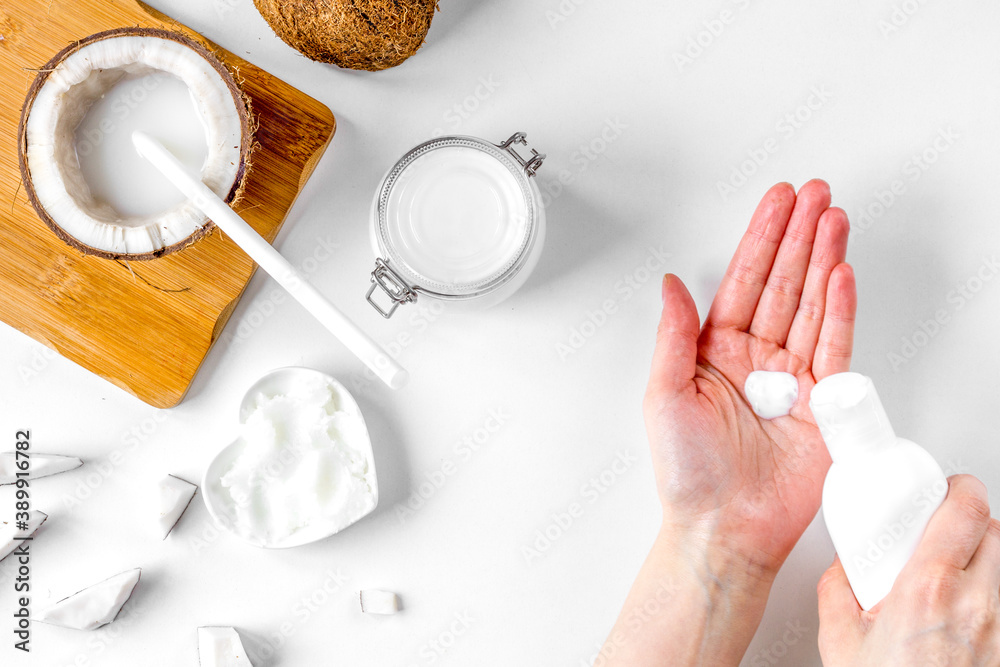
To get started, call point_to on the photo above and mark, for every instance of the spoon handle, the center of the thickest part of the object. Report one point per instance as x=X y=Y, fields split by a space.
x=269 y=259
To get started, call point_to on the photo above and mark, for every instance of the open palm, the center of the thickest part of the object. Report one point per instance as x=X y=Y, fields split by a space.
x=787 y=303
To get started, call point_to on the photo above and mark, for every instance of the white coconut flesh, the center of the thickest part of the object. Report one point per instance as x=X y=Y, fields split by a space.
x=63 y=101
x=221 y=647
x=11 y=537
x=40 y=465
x=95 y=606
x=174 y=496
x=379 y=602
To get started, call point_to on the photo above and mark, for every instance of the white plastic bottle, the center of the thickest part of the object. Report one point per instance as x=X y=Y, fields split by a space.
x=880 y=491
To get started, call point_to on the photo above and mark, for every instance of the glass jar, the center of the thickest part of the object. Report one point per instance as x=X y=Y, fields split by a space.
x=457 y=219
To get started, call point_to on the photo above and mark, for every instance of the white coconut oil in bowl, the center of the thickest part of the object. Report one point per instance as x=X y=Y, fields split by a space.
x=302 y=468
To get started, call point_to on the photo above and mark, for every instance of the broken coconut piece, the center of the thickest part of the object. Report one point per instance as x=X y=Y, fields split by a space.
x=379 y=602
x=39 y=465
x=61 y=96
x=93 y=607
x=9 y=532
x=175 y=495
x=221 y=647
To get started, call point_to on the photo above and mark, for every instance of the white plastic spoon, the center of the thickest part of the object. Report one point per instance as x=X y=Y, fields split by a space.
x=269 y=259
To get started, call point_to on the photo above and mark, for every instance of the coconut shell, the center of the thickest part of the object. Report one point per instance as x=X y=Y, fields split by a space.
x=243 y=107
x=357 y=34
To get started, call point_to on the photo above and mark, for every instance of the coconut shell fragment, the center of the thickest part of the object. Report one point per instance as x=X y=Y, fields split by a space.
x=357 y=34
x=94 y=606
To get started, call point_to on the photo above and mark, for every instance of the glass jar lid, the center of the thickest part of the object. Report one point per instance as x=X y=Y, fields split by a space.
x=454 y=219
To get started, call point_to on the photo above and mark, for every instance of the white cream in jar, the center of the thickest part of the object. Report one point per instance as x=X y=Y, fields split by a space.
x=457 y=219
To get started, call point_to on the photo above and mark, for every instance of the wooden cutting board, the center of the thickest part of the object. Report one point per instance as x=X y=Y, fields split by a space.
x=145 y=326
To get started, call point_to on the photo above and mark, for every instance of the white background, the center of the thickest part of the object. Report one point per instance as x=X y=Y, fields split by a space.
x=562 y=73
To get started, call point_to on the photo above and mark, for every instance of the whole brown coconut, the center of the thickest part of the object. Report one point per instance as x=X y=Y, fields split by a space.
x=358 y=34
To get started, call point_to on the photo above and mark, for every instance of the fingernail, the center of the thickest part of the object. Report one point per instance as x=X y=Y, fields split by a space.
x=663 y=290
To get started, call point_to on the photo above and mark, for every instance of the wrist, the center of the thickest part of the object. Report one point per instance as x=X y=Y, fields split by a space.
x=716 y=561
x=728 y=585
x=696 y=602
x=721 y=547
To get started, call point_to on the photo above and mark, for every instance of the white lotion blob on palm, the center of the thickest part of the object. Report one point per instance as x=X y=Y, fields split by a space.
x=771 y=394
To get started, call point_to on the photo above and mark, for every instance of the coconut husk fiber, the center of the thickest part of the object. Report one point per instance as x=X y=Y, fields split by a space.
x=357 y=34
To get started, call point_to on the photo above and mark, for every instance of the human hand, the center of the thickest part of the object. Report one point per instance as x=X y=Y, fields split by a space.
x=737 y=491
x=943 y=609
x=787 y=303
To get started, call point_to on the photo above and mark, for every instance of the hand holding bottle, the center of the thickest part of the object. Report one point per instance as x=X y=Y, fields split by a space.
x=737 y=490
x=944 y=609
x=881 y=490
x=787 y=303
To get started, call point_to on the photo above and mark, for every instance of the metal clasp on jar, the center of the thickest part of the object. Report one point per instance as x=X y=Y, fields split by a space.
x=393 y=285
x=533 y=162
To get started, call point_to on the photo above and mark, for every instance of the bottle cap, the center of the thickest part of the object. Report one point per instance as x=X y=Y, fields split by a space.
x=850 y=415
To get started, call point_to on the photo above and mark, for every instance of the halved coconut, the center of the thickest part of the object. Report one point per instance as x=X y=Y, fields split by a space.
x=59 y=99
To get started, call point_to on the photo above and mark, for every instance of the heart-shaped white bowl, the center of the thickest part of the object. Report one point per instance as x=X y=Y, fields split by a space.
x=221 y=504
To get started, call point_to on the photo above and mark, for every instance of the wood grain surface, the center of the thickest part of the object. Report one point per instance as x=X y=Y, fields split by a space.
x=143 y=326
